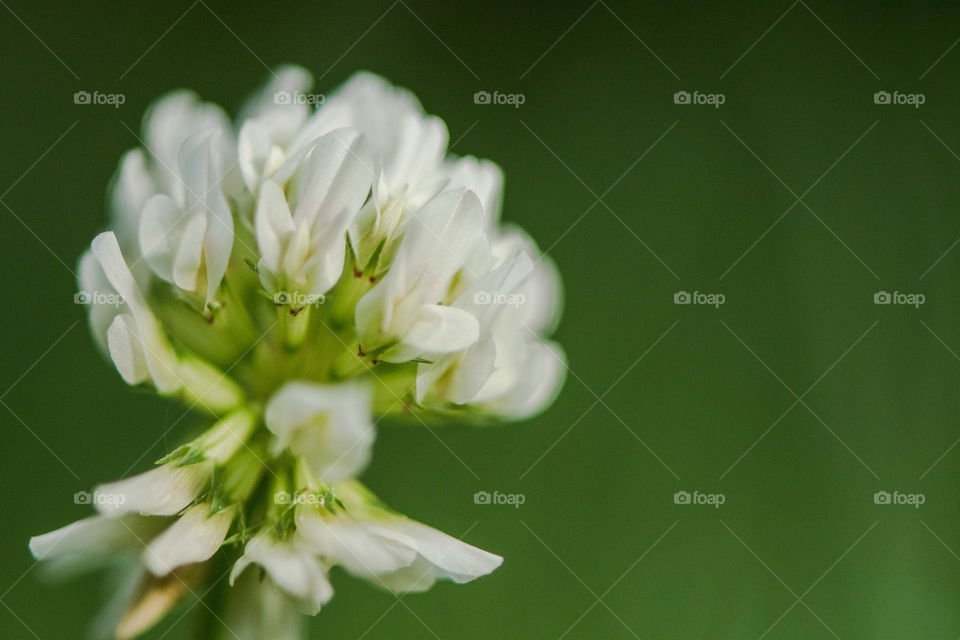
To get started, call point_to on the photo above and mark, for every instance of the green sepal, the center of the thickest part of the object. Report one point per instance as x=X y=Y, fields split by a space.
x=176 y=454
x=374 y=259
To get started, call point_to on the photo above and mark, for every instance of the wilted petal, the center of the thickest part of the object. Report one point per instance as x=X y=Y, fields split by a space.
x=150 y=599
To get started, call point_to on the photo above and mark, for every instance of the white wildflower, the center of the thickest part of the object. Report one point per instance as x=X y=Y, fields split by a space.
x=299 y=273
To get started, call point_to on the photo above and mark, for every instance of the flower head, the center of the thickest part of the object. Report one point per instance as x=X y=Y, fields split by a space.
x=297 y=274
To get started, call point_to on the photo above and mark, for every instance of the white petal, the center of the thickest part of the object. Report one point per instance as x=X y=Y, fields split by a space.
x=273 y=222
x=441 y=237
x=482 y=177
x=163 y=491
x=270 y=124
x=188 y=256
x=194 y=537
x=167 y=125
x=437 y=243
x=342 y=541
x=542 y=290
x=333 y=178
x=436 y=330
x=491 y=293
x=329 y=425
x=537 y=385
x=90 y=542
x=257 y=609
x=159 y=355
x=131 y=187
x=254 y=145
x=126 y=349
x=418 y=148
x=201 y=163
x=463 y=377
x=469 y=373
x=444 y=556
x=265 y=102
x=92 y=281
x=513 y=345
x=292 y=567
x=158 y=223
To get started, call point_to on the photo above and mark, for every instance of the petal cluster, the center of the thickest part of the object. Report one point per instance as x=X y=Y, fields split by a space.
x=297 y=273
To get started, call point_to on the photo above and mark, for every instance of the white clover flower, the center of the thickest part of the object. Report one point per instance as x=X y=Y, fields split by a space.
x=297 y=274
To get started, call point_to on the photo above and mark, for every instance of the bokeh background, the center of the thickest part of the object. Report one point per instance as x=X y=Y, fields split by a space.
x=797 y=399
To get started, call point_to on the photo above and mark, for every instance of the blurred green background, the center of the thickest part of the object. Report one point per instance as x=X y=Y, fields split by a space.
x=797 y=399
